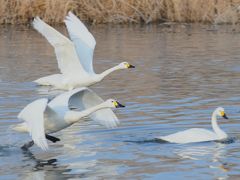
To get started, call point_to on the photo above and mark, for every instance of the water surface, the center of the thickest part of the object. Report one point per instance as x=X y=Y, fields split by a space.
x=183 y=73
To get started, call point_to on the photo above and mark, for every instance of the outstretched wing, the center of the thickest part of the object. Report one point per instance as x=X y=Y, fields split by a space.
x=83 y=40
x=61 y=101
x=33 y=115
x=84 y=99
x=67 y=57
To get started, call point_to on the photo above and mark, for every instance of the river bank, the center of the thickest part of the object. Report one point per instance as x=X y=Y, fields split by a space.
x=121 y=11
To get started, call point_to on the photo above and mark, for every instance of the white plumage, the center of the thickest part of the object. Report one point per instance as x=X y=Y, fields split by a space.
x=33 y=115
x=75 y=58
x=198 y=134
x=83 y=40
x=43 y=118
x=67 y=57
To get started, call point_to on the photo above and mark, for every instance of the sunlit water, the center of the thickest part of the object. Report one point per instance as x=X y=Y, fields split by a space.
x=183 y=73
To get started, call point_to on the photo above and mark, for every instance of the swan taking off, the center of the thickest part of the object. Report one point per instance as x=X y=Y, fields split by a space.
x=199 y=134
x=75 y=58
x=43 y=118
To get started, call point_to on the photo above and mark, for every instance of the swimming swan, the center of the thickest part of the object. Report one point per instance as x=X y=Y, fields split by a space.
x=42 y=118
x=75 y=58
x=199 y=134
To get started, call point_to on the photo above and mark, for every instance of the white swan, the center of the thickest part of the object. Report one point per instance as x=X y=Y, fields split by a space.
x=75 y=58
x=199 y=134
x=43 y=118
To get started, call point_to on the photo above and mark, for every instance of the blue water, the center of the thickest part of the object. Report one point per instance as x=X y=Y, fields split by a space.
x=183 y=73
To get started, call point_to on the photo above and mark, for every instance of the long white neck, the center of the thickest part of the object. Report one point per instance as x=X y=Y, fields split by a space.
x=108 y=71
x=74 y=116
x=220 y=133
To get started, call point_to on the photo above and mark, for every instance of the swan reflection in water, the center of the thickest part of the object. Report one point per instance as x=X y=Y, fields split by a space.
x=48 y=168
x=204 y=155
x=209 y=155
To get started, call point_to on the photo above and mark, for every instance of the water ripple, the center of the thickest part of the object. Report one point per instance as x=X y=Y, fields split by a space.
x=179 y=80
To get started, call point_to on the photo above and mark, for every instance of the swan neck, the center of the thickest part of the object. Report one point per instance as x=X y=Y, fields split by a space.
x=220 y=133
x=108 y=71
x=75 y=116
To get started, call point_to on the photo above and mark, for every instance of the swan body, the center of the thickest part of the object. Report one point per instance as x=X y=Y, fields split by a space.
x=75 y=56
x=42 y=117
x=199 y=134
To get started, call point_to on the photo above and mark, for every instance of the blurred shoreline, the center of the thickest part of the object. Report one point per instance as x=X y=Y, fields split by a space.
x=122 y=11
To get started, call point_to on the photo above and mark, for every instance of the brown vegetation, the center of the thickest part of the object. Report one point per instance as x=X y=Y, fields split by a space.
x=121 y=11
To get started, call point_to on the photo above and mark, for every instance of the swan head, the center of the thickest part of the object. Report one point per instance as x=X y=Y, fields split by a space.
x=125 y=65
x=112 y=103
x=220 y=112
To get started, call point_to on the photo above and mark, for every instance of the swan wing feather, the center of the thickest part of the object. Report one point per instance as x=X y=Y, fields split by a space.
x=66 y=54
x=87 y=99
x=83 y=40
x=33 y=115
x=81 y=99
x=63 y=99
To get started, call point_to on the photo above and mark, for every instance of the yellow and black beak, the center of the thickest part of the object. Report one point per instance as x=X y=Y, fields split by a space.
x=130 y=66
x=223 y=114
x=117 y=104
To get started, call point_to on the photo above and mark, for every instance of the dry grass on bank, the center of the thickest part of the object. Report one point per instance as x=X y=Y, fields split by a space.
x=121 y=11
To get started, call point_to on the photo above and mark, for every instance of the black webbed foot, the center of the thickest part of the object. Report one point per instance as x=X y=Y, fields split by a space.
x=52 y=138
x=26 y=146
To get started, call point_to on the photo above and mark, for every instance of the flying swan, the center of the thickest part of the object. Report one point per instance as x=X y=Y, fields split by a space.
x=75 y=56
x=42 y=118
x=199 y=134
